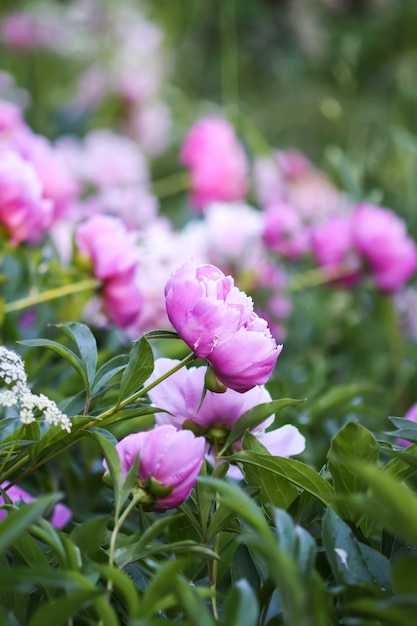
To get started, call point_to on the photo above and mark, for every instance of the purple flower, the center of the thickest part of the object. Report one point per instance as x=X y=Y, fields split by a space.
x=61 y=514
x=169 y=463
x=217 y=321
x=180 y=395
x=381 y=238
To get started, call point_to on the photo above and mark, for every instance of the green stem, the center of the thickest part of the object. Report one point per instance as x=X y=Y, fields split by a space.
x=118 y=523
x=171 y=185
x=318 y=276
x=213 y=570
x=51 y=294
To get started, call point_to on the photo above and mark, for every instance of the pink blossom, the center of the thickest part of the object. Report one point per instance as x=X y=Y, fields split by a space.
x=217 y=162
x=170 y=457
x=380 y=236
x=111 y=160
x=217 y=321
x=23 y=210
x=122 y=298
x=18 y=31
x=10 y=116
x=332 y=244
x=412 y=416
x=180 y=396
x=105 y=241
x=61 y=514
x=285 y=232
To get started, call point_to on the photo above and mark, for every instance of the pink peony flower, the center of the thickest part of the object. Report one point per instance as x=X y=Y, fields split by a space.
x=24 y=212
x=181 y=393
x=217 y=162
x=380 y=236
x=332 y=244
x=285 y=232
x=167 y=456
x=61 y=514
x=122 y=298
x=109 y=246
x=217 y=322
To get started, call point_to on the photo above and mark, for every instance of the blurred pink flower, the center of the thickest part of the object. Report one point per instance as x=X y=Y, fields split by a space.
x=18 y=31
x=380 y=236
x=217 y=321
x=111 y=160
x=285 y=232
x=217 y=162
x=333 y=247
x=105 y=241
x=111 y=249
x=167 y=456
x=122 y=298
x=24 y=212
x=60 y=516
x=410 y=415
x=10 y=116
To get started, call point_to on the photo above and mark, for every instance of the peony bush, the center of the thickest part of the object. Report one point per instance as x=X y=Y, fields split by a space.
x=208 y=355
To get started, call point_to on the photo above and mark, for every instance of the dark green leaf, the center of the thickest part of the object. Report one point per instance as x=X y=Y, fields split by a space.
x=389 y=503
x=352 y=562
x=86 y=344
x=66 y=353
x=108 y=370
x=242 y=605
x=273 y=488
x=296 y=472
x=18 y=521
x=138 y=369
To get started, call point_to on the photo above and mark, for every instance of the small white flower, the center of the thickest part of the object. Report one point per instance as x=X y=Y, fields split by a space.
x=20 y=397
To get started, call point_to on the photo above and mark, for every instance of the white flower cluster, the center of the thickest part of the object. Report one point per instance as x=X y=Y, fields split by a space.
x=12 y=372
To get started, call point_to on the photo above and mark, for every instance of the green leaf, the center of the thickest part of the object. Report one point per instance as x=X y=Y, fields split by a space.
x=133 y=549
x=406 y=429
x=255 y=416
x=162 y=334
x=295 y=471
x=242 y=605
x=403 y=582
x=106 y=443
x=352 y=562
x=63 y=608
x=336 y=398
x=237 y=500
x=125 y=587
x=352 y=444
x=389 y=503
x=273 y=488
x=297 y=543
x=86 y=344
x=138 y=369
x=158 y=595
x=193 y=605
x=66 y=353
x=108 y=370
x=90 y=535
x=18 y=521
